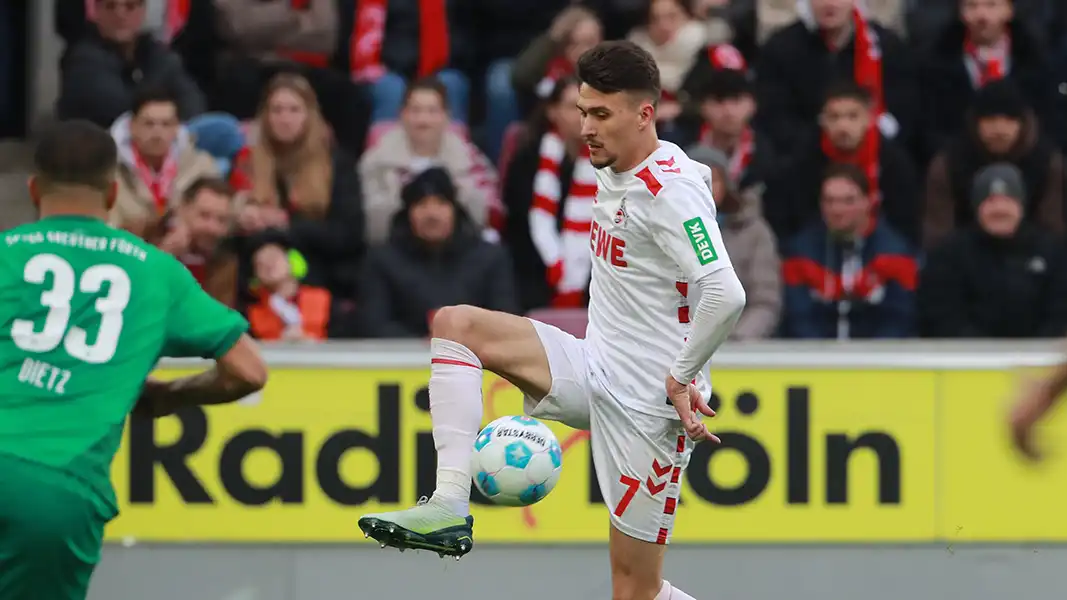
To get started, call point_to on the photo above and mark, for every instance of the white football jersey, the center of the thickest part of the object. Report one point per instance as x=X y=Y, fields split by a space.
x=654 y=230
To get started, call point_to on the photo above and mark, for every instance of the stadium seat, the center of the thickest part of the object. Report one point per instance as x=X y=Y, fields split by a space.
x=572 y=320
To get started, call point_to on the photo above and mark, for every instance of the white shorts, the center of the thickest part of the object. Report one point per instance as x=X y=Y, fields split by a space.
x=639 y=458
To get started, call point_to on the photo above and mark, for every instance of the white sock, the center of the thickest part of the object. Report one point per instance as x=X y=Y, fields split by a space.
x=669 y=592
x=456 y=412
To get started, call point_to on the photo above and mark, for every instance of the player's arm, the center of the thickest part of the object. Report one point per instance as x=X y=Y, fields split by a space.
x=198 y=326
x=236 y=374
x=684 y=227
x=1035 y=402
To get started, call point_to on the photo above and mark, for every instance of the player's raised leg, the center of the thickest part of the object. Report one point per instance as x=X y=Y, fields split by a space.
x=465 y=341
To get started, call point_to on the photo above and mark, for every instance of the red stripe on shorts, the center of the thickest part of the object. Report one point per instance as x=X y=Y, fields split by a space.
x=669 y=506
x=676 y=475
x=681 y=440
x=661 y=539
x=449 y=361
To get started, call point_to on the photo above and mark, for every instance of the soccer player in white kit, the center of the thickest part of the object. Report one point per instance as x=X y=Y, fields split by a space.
x=663 y=297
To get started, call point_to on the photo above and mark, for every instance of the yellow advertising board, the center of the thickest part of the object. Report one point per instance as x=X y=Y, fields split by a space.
x=808 y=456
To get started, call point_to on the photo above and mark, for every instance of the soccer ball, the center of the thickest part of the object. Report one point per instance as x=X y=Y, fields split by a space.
x=516 y=461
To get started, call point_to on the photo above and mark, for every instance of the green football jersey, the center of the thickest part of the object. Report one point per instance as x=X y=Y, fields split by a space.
x=86 y=311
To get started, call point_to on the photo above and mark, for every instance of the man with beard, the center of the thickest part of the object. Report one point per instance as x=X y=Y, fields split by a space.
x=196 y=232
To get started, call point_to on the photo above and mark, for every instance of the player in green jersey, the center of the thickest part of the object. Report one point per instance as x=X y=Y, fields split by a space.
x=86 y=310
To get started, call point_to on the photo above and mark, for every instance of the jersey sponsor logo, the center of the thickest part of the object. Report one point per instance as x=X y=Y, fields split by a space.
x=607 y=247
x=700 y=240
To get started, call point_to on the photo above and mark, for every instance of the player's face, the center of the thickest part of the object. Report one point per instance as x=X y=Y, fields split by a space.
x=271 y=265
x=120 y=20
x=585 y=35
x=986 y=19
x=832 y=14
x=846 y=122
x=564 y=115
x=999 y=134
x=208 y=218
x=424 y=117
x=729 y=116
x=665 y=18
x=432 y=219
x=1000 y=215
x=611 y=123
x=845 y=207
x=287 y=116
x=155 y=128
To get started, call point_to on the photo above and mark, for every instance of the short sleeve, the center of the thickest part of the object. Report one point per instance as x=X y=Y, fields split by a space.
x=198 y=326
x=683 y=224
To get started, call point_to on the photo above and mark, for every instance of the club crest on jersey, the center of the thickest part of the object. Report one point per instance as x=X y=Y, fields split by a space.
x=620 y=214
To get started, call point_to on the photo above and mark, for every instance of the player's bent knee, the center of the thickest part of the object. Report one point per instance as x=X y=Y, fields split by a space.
x=458 y=324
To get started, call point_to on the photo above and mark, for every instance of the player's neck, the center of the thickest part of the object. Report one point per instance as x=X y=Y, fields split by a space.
x=644 y=148
x=71 y=210
x=72 y=206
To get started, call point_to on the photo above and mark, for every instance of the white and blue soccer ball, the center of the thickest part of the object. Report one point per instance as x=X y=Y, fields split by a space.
x=516 y=461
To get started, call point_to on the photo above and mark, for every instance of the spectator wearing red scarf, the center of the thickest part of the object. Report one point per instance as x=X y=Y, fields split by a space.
x=847 y=135
x=398 y=41
x=985 y=43
x=836 y=42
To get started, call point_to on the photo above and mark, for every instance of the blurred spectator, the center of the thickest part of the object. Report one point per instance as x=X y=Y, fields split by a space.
x=506 y=27
x=999 y=277
x=848 y=135
x=399 y=41
x=157 y=162
x=424 y=139
x=301 y=36
x=221 y=136
x=196 y=234
x=434 y=257
x=553 y=55
x=773 y=15
x=927 y=19
x=985 y=43
x=1000 y=128
x=99 y=73
x=304 y=185
x=285 y=309
x=752 y=247
x=849 y=276
x=550 y=189
x=799 y=62
x=726 y=109
x=673 y=38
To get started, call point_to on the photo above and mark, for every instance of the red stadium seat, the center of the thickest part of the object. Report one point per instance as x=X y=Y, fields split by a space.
x=572 y=320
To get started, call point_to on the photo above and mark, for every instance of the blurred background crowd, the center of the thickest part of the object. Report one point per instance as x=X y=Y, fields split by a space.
x=343 y=168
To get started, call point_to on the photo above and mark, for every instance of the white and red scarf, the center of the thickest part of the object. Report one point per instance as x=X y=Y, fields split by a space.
x=740 y=157
x=159 y=183
x=557 y=69
x=564 y=250
x=365 y=45
x=987 y=64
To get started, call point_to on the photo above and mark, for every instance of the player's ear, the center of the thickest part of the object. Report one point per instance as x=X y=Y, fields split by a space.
x=646 y=115
x=35 y=189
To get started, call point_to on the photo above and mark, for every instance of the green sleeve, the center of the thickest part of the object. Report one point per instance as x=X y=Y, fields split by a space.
x=198 y=326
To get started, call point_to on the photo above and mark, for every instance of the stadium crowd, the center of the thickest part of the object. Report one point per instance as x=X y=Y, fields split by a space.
x=342 y=168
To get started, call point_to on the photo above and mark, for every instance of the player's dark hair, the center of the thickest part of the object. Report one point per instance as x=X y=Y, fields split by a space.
x=213 y=184
x=427 y=84
x=847 y=89
x=850 y=172
x=76 y=153
x=620 y=66
x=727 y=84
x=152 y=94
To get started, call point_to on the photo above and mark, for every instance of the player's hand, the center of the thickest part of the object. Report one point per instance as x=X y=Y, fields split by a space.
x=1031 y=407
x=690 y=404
x=176 y=241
